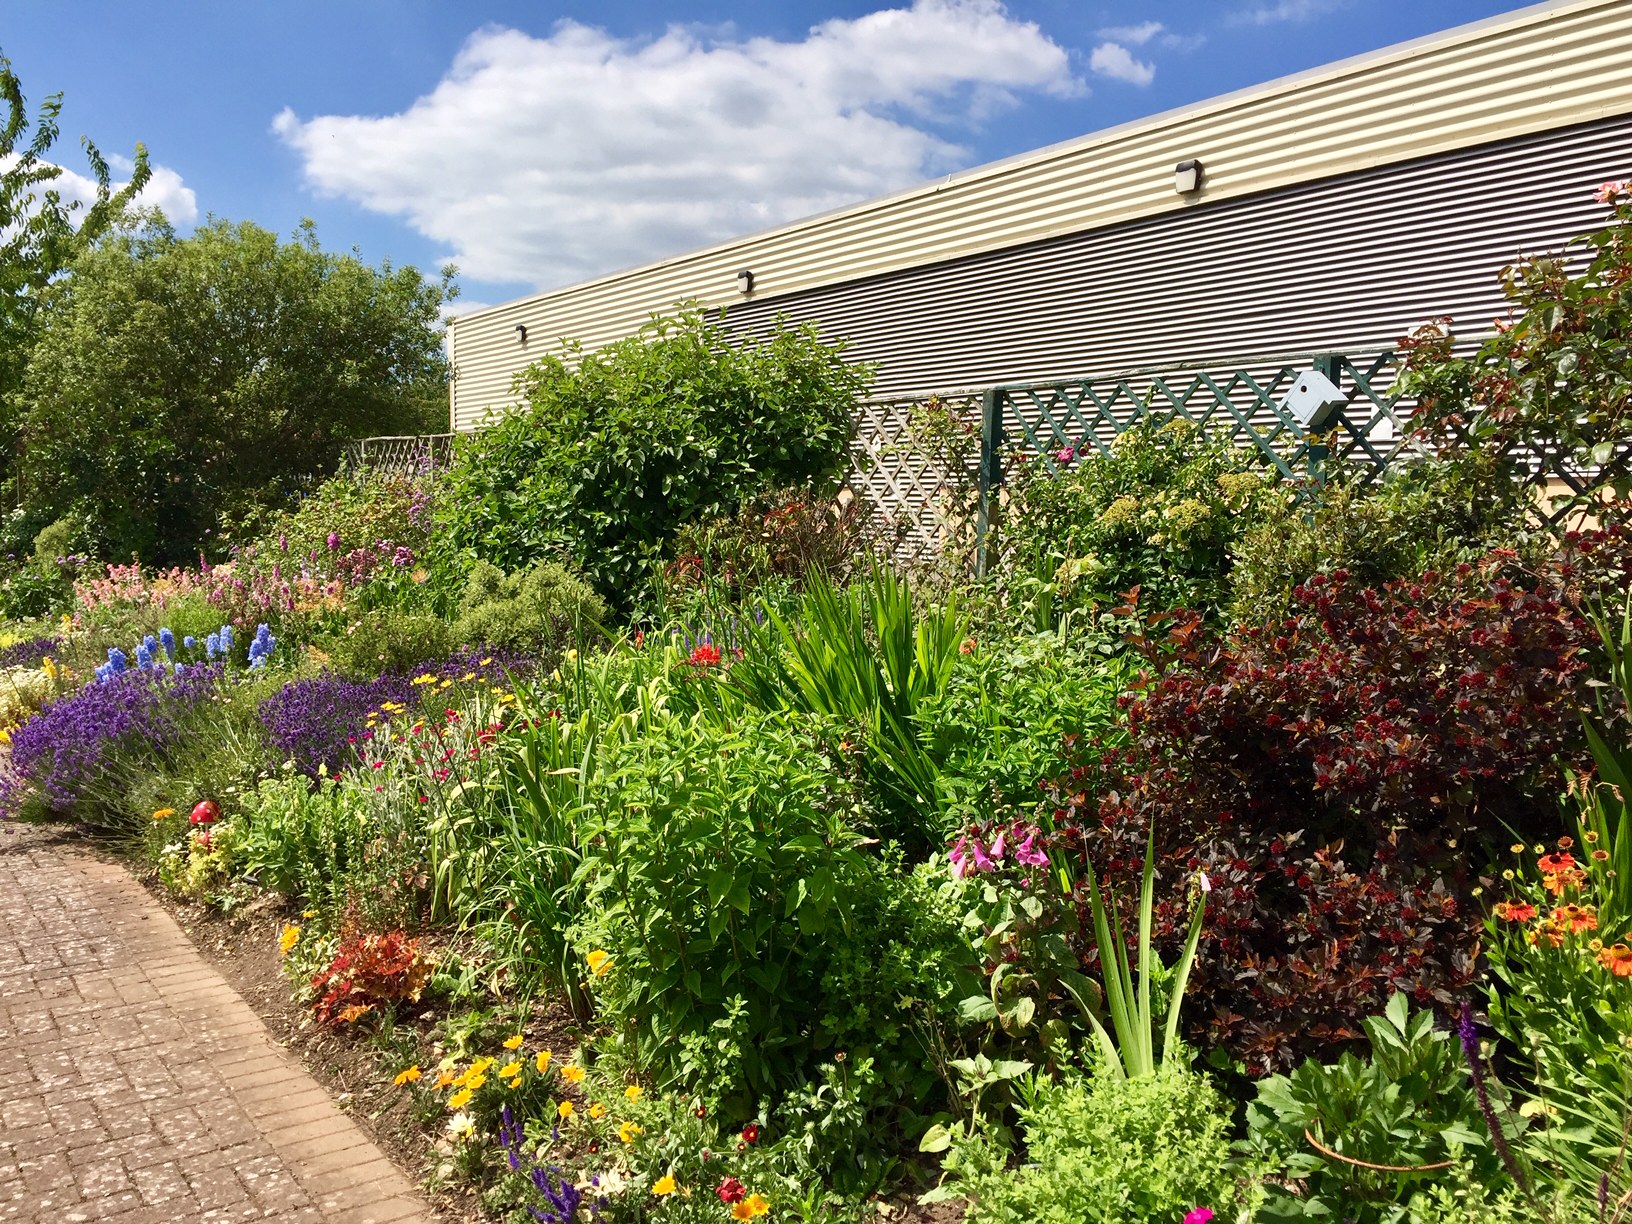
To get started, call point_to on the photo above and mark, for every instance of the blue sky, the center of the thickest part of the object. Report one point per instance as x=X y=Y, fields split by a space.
x=536 y=144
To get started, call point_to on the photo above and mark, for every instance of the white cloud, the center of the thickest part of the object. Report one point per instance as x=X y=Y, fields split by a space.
x=1137 y=35
x=1286 y=10
x=1117 y=62
x=546 y=160
x=164 y=189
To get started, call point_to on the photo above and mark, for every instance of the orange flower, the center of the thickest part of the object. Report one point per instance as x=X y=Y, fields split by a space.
x=1552 y=864
x=1574 y=918
x=1556 y=882
x=1617 y=958
x=1514 y=911
x=411 y=1075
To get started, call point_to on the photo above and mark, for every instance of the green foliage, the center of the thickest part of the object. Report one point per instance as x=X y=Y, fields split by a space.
x=1411 y=1104
x=1132 y=1000
x=1110 y=1150
x=870 y=655
x=1161 y=512
x=1003 y=720
x=1429 y=515
x=41 y=233
x=388 y=641
x=537 y=614
x=611 y=455
x=778 y=542
x=727 y=872
x=309 y=842
x=1558 y=380
x=222 y=369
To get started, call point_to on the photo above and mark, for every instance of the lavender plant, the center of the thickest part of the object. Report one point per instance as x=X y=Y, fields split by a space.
x=59 y=757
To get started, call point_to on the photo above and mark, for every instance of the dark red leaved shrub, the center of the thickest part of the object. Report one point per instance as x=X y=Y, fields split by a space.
x=1335 y=777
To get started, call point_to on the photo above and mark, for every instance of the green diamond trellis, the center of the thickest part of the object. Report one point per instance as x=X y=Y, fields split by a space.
x=1244 y=405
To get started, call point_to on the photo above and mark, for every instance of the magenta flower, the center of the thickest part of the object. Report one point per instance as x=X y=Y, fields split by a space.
x=1199 y=1215
x=1027 y=854
x=998 y=848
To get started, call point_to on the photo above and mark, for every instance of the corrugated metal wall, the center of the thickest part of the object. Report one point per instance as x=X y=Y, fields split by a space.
x=1349 y=263
x=1543 y=69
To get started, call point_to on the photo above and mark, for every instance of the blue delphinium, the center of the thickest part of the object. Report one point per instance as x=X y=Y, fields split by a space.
x=226 y=638
x=168 y=641
x=260 y=647
x=212 y=645
x=144 y=656
x=190 y=642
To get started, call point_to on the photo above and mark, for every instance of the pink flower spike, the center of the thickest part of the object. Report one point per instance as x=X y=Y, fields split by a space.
x=1199 y=1215
x=997 y=849
x=1028 y=854
x=982 y=863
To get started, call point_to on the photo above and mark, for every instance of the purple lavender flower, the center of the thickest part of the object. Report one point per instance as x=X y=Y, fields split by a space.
x=1468 y=1032
x=334 y=541
x=69 y=745
x=30 y=653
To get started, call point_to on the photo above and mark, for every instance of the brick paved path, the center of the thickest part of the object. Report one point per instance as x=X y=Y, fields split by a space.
x=136 y=1085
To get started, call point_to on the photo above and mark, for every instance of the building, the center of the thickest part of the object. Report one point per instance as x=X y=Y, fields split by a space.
x=1327 y=211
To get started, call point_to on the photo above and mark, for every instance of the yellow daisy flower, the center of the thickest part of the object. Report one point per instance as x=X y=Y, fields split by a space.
x=410 y=1076
x=664 y=1185
x=460 y=1099
x=513 y=1042
x=543 y=1060
x=572 y=1073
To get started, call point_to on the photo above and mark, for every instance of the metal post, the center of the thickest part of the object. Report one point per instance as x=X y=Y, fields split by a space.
x=991 y=471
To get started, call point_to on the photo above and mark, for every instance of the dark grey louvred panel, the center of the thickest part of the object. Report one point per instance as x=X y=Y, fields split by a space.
x=1344 y=263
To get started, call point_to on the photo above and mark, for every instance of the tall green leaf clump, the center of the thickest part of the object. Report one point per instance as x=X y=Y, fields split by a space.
x=613 y=451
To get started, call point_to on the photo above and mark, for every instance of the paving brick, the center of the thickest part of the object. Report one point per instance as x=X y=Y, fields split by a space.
x=140 y=1087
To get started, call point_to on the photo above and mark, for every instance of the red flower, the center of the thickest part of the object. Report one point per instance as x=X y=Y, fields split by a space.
x=1617 y=958
x=1514 y=911
x=1553 y=864
x=732 y=1191
x=750 y=1133
x=705 y=655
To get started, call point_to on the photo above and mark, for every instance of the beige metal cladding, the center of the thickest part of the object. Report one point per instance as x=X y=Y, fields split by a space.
x=1345 y=264
x=1542 y=68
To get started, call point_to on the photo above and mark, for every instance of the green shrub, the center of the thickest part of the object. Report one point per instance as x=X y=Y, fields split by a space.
x=747 y=930
x=536 y=614
x=1411 y=1104
x=1113 y=1151
x=870 y=656
x=778 y=542
x=386 y=640
x=1001 y=724
x=1160 y=512
x=1429 y=515
x=610 y=456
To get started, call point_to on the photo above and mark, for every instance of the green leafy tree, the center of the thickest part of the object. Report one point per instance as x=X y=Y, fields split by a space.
x=41 y=232
x=611 y=455
x=177 y=380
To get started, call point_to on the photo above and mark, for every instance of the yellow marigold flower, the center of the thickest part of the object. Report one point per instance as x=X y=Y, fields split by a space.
x=664 y=1185
x=164 y=813
x=475 y=1082
x=482 y=1064
x=486 y=661
x=460 y=1099
x=628 y=1131
x=510 y=1070
x=543 y=1060
x=444 y=1079
x=572 y=1073
x=410 y=1076
x=288 y=939
x=599 y=962
x=757 y=1204
x=565 y=1110
x=741 y=1211
x=513 y=1042
x=634 y=1092
x=513 y=1084
x=597 y=1110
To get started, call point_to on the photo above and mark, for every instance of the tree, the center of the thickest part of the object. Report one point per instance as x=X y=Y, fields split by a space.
x=609 y=456
x=41 y=233
x=178 y=380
